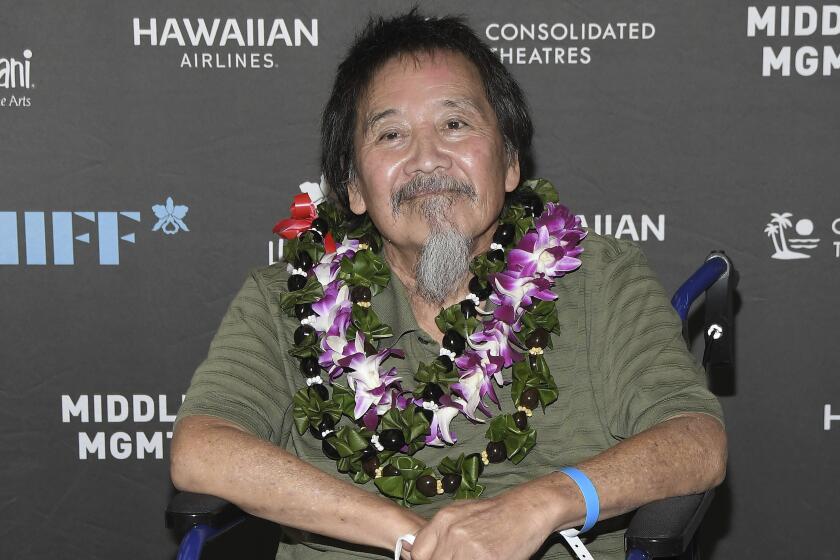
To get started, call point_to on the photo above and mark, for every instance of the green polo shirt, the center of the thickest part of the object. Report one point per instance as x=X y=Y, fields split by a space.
x=620 y=364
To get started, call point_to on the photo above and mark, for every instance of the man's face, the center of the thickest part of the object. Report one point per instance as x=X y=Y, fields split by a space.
x=428 y=151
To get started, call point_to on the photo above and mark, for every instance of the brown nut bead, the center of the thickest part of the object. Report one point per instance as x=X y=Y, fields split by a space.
x=390 y=470
x=370 y=464
x=451 y=483
x=427 y=485
x=496 y=451
x=360 y=294
x=538 y=338
x=392 y=439
x=520 y=419
x=530 y=398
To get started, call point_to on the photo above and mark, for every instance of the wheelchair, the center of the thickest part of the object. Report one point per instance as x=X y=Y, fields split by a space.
x=661 y=529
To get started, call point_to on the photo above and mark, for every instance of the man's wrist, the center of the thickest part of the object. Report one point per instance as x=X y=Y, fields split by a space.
x=397 y=522
x=566 y=505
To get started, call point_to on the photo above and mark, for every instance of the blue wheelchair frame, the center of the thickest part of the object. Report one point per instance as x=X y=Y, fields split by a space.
x=661 y=529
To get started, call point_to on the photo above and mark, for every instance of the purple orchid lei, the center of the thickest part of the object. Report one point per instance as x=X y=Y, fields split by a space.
x=341 y=330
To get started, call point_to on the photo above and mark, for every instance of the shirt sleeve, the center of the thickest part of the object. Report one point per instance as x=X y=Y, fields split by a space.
x=241 y=380
x=648 y=372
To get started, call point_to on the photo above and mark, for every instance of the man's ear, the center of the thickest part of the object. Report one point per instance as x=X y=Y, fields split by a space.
x=357 y=201
x=512 y=174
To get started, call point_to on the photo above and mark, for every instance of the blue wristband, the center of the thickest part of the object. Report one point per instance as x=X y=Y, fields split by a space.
x=590 y=496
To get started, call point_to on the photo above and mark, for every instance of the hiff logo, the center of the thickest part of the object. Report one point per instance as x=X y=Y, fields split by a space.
x=63 y=236
x=15 y=73
x=789 y=248
x=109 y=231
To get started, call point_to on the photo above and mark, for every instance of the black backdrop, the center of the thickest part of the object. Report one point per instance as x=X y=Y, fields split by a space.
x=689 y=126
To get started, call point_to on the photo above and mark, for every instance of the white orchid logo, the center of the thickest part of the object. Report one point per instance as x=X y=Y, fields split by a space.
x=170 y=217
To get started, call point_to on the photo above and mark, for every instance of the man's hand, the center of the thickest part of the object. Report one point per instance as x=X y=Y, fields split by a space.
x=510 y=526
x=684 y=455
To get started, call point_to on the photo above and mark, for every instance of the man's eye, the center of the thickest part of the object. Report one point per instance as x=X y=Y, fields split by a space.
x=392 y=135
x=455 y=124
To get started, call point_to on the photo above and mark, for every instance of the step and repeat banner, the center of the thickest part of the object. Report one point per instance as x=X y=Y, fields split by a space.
x=148 y=148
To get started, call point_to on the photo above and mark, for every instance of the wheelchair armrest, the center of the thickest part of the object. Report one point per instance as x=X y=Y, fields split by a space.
x=666 y=527
x=186 y=510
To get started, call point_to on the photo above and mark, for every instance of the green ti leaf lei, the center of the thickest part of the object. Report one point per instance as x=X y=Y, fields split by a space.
x=395 y=471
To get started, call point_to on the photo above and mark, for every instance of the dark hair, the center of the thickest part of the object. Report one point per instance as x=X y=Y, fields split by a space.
x=412 y=33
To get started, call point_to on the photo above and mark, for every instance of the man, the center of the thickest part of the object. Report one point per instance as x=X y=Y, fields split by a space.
x=425 y=132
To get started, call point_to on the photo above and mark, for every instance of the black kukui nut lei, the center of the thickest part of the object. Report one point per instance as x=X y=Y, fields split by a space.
x=426 y=485
x=432 y=393
x=454 y=342
x=325 y=428
x=320 y=225
x=532 y=205
x=326 y=424
x=451 y=483
x=394 y=440
x=329 y=449
x=530 y=398
x=296 y=282
x=496 y=451
x=520 y=420
x=504 y=234
x=390 y=470
x=468 y=309
x=445 y=361
x=538 y=338
x=370 y=464
x=305 y=335
x=496 y=255
x=479 y=288
x=309 y=367
x=360 y=294
x=303 y=261
x=303 y=310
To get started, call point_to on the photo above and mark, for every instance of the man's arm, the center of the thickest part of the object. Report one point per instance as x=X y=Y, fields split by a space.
x=223 y=437
x=683 y=455
x=213 y=456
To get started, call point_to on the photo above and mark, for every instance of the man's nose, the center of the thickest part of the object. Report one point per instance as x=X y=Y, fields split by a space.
x=428 y=153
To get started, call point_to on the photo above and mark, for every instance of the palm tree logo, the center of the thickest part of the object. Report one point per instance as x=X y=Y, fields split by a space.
x=783 y=246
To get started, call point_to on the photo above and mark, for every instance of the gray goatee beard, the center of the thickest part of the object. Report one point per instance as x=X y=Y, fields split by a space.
x=445 y=256
x=444 y=259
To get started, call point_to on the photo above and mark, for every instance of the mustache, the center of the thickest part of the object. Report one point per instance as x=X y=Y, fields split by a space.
x=430 y=184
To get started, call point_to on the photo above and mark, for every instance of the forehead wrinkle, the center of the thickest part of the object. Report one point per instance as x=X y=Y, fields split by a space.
x=463 y=103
